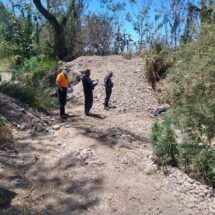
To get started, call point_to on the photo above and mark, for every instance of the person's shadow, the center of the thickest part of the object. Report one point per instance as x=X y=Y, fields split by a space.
x=98 y=116
x=73 y=115
x=6 y=197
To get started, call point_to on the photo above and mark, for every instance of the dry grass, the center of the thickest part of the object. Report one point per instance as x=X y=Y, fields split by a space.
x=5 y=135
x=29 y=200
x=156 y=68
x=6 y=64
x=127 y=56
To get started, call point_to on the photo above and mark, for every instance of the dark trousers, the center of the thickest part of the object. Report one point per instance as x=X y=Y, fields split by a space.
x=62 y=100
x=88 y=102
x=159 y=111
x=107 y=96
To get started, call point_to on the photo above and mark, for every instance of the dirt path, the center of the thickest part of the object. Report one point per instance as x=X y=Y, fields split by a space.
x=86 y=166
x=94 y=165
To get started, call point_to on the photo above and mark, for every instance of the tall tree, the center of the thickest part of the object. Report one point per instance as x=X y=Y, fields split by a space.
x=176 y=18
x=204 y=12
x=99 y=34
x=140 y=21
x=18 y=28
x=58 y=26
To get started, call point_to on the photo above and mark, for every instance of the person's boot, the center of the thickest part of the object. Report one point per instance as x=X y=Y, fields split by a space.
x=106 y=108
x=63 y=117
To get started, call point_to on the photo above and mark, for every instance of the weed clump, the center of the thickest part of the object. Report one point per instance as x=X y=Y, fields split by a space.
x=5 y=133
x=164 y=142
x=158 y=61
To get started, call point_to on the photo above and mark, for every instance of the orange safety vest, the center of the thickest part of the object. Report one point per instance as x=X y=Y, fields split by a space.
x=62 y=80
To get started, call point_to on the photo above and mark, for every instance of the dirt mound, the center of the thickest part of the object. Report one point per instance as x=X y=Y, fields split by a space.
x=131 y=92
x=18 y=114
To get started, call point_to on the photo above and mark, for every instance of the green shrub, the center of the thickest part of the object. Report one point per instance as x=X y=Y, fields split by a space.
x=164 y=143
x=2 y=121
x=204 y=165
x=192 y=84
x=7 y=49
x=187 y=153
x=198 y=160
x=34 y=69
x=195 y=159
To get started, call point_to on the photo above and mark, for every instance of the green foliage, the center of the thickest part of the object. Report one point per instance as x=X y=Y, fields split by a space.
x=2 y=121
x=7 y=49
x=187 y=153
x=198 y=160
x=33 y=70
x=17 y=33
x=192 y=84
x=164 y=143
x=195 y=159
x=204 y=165
x=6 y=64
x=34 y=97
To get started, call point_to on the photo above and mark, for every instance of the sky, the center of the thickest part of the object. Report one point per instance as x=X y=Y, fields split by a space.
x=95 y=6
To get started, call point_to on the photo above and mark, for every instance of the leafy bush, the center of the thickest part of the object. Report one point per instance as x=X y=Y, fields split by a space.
x=187 y=152
x=34 y=97
x=164 y=143
x=34 y=69
x=2 y=121
x=198 y=160
x=192 y=84
x=7 y=49
x=195 y=159
x=204 y=165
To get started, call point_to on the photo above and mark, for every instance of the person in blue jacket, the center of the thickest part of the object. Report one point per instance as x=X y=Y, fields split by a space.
x=161 y=109
x=88 y=87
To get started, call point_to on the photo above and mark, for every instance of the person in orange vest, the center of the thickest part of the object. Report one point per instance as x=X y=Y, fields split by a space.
x=62 y=82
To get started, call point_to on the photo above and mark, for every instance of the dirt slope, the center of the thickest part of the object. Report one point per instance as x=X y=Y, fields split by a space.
x=131 y=92
x=96 y=165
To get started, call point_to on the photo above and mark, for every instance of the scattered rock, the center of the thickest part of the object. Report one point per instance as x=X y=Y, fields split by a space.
x=56 y=127
x=38 y=128
x=22 y=127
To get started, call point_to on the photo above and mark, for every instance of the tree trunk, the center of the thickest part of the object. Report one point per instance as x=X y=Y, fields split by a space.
x=60 y=46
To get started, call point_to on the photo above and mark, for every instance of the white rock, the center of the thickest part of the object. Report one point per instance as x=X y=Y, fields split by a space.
x=56 y=127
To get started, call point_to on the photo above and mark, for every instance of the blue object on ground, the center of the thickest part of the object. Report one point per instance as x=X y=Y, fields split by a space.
x=70 y=90
x=159 y=111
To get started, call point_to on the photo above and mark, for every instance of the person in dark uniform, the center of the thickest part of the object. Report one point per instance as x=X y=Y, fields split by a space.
x=88 y=85
x=108 y=89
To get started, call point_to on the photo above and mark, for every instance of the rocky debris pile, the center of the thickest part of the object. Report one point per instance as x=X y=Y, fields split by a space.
x=131 y=90
x=22 y=117
x=189 y=191
x=191 y=194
